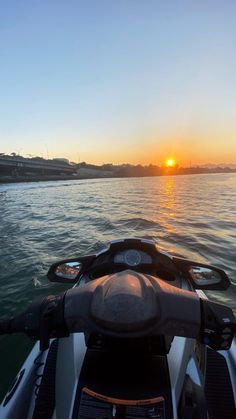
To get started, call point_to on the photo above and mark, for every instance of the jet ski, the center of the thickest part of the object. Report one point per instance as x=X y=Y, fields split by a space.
x=135 y=337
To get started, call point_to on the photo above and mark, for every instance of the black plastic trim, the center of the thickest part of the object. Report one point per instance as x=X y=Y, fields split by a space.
x=183 y=266
x=14 y=387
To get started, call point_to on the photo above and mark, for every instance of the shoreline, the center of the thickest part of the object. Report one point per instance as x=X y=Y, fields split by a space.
x=23 y=179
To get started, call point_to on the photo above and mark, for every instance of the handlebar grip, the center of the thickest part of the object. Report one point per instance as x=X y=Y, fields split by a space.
x=25 y=322
x=43 y=319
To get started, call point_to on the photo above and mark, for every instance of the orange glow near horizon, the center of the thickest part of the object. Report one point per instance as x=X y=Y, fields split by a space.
x=182 y=152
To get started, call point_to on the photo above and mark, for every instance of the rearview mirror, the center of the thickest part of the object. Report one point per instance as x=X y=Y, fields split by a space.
x=203 y=276
x=68 y=270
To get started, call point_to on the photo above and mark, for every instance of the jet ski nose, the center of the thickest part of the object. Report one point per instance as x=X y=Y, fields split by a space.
x=125 y=301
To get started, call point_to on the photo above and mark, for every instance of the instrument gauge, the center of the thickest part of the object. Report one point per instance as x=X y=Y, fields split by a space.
x=132 y=257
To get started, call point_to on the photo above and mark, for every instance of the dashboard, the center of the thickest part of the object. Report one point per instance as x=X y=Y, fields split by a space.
x=135 y=254
x=132 y=257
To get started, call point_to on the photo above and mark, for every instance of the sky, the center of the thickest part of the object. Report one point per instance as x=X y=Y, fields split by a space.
x=118 y=81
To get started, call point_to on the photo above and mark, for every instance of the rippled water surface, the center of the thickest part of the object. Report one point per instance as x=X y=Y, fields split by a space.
x=193 y=216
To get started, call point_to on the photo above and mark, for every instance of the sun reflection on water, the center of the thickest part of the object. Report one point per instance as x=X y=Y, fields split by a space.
x=168 y=205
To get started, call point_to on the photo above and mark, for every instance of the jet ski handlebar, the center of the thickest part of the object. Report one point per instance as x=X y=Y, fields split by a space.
x=126 y=305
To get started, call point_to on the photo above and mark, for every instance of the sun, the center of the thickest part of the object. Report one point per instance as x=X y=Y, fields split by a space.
x=170 y=162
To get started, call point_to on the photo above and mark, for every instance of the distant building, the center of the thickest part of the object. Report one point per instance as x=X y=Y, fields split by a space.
x=62 y=160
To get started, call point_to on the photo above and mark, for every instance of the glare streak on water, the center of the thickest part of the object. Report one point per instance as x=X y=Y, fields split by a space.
x=193 y=216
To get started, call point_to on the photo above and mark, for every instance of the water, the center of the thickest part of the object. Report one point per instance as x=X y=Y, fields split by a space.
x=193 y=216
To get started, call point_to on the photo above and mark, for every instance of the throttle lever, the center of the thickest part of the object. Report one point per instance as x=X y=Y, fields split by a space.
x=43 y=320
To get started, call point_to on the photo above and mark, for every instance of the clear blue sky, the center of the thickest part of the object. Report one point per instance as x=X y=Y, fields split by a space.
x=119 y=80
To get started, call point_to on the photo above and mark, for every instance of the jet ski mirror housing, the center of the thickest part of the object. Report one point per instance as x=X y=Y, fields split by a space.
x=203 y=276
x=65 y=271
x=68 y=270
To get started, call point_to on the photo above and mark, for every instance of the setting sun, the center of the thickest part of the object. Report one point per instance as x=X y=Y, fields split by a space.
x=170 y=162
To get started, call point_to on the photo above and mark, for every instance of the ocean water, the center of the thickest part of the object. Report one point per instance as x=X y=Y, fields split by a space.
x=192 y=216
